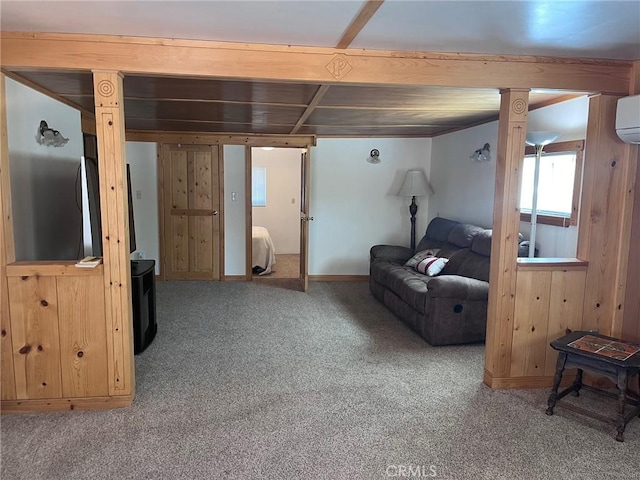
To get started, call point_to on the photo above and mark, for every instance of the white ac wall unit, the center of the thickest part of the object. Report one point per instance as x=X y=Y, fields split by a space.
x=628 y=119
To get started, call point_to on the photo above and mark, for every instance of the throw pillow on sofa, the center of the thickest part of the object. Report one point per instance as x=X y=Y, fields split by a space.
x=421 y=255
x=427 y=263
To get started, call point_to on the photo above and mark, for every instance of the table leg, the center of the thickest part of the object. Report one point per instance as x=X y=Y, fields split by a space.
x=622 y=400
x=562 y=359
x=577 y=383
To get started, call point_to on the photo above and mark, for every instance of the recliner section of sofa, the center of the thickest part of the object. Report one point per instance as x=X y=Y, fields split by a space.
x=450 y=308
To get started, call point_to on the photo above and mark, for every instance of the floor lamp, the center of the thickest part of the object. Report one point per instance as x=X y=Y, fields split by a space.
x=538 y=140
x=415 y=184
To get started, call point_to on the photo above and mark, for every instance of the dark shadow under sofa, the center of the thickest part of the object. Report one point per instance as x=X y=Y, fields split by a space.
x=446 y=309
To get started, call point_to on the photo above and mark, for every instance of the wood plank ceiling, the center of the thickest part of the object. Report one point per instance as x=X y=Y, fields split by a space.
x=182 y=104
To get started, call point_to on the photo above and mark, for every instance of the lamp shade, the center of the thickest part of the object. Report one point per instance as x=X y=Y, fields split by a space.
x=415 y=184
x=541 y=138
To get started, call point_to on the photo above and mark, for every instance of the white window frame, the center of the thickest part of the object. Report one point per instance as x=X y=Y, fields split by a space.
x=558 y=218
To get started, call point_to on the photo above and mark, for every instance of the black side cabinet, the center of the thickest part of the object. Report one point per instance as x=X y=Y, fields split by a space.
x=143 y=292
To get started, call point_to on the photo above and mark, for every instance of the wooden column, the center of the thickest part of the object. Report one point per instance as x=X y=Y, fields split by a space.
x=7 y=254
x=115 y=230
x=506 y=225
x=631 y=318
x=605 y=218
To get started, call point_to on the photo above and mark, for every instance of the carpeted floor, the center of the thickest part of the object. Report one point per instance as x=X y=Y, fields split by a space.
x=250 y=381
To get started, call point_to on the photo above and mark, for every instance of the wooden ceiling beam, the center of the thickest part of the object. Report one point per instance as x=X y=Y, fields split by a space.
x=298 y=141
x=367 y=11
x=308 y=64
x=322 y=90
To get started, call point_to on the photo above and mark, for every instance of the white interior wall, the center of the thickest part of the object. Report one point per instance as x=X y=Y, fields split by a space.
x=234 y=210
x=354 y=203
x=463 y=188
x=143 y=165
x=469 y=186
x=47 y=221
x=281 y=215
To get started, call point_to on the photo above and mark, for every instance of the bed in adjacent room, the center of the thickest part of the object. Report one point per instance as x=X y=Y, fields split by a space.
x=263 y=251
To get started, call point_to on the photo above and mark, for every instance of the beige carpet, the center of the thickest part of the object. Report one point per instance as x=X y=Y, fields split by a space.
x=287 y=266
x=247 y=381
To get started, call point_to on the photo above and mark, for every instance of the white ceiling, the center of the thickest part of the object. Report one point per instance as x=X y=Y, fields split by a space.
x=595 y=29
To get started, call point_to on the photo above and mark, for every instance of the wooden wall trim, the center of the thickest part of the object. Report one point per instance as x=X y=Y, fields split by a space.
x=109 y=100
x=338 y=278
x=296 y=141
x=506 y=224
x=248 y=213
x=58 y=404
x=7 y=255
x=51 y=268
x=307 y=64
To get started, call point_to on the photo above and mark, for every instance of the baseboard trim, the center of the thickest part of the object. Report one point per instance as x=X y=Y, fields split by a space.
x=526 y=382
x=57 y=404
x=339 y=278
x=234 y=278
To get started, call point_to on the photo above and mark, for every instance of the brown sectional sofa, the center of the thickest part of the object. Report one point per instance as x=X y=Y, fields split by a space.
x=451 y=307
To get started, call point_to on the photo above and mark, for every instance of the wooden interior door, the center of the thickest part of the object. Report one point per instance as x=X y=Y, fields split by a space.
x=304 y=221
x=191 y=176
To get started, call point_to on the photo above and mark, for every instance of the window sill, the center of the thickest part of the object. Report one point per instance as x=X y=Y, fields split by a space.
x=549 y=220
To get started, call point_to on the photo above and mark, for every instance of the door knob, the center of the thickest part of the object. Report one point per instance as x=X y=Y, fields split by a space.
x=215 y=212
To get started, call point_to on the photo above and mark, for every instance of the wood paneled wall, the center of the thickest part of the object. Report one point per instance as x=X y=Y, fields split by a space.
x=58 y=333
x=605 y=218
x=548 y=304
x=631 y=319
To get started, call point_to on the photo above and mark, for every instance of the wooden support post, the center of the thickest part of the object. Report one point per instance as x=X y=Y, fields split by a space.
x=7 y=254
x=506 y=222
x=115 y=230
x=605 y=218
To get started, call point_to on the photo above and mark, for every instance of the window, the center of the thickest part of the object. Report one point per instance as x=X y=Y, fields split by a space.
x=259 y=186
x=558 y=184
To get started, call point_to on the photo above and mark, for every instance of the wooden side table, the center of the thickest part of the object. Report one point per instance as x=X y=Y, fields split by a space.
x=600 y=355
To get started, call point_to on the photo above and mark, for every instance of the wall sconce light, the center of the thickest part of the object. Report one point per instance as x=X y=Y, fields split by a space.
x=374 y=156
x=49 y=137
x=482 y=154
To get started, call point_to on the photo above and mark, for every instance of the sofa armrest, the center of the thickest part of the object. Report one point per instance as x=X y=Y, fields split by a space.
x=456 y=286
x=390 y=252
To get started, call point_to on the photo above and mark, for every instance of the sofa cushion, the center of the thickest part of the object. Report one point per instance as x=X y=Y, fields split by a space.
x=482 y=243
x=437 y=233
x=475 y=266
x=462 y=235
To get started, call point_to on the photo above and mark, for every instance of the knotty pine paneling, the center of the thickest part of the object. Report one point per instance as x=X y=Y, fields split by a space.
x=530 y=322
x=35 y=337
x=83 y=336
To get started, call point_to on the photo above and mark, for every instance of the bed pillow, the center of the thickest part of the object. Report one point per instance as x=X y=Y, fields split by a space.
x=421 y=255
x=431 y=266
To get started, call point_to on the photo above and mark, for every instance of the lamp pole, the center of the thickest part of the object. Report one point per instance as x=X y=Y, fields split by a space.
x=413 y=209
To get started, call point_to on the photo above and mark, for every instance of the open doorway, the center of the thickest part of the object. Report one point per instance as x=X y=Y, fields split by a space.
x=276 y=188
